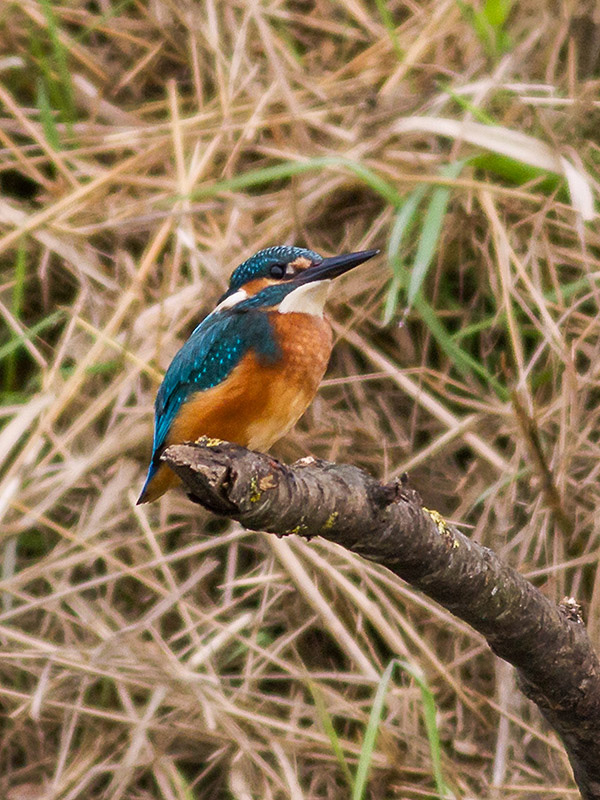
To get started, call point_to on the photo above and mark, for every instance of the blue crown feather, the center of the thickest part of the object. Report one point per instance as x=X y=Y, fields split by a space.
x=258 y=265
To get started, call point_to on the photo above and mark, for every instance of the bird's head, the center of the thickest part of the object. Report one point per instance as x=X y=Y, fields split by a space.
x=287 y=279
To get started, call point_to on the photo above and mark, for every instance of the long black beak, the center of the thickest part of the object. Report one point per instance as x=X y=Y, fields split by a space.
x=332 y=267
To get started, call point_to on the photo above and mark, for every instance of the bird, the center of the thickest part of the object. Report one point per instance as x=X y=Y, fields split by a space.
x=252 y=366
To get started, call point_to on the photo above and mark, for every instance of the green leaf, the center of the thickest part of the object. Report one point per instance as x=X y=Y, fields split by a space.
x=461 y=359
x=63 y=84
x=289 y=169
x=433 y=736
x=478 y=113
x=329 y=729
x=518 y=172
x=496 y=12
x=430 y=232
x=488 y=24
x=47 y=116
x=392 y=299
x=403 y=223
x=401 y=227
x=388 y=21
x=17 y=341
x=370 y=738
x=18 y=295
x=111 y=12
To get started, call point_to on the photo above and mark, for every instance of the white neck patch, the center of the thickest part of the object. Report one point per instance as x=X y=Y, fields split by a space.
x=309 y=298
x=231 y=301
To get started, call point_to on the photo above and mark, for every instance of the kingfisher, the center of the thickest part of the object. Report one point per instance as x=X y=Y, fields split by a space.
x=250 y=369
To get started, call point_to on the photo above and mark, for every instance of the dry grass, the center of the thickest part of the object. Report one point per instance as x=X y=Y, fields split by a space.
x=156 y=652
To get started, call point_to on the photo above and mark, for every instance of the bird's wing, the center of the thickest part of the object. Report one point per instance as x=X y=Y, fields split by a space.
x=215 y=347
x=206 y=359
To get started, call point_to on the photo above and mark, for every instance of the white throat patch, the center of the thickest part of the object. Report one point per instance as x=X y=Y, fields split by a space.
x=309 y=298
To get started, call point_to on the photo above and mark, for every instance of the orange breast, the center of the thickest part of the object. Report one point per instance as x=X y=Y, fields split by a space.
x=287 y=389
x=258 y=403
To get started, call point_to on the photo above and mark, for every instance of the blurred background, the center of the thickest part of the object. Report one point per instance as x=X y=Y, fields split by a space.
x=146 y=149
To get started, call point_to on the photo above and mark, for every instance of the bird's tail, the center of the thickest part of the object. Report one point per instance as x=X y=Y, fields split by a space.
x=159 y=479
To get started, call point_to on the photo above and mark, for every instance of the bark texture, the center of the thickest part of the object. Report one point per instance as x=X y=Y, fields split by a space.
x=547 y=644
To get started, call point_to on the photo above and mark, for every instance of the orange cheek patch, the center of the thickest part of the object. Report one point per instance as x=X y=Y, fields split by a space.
x=301 y=263
x=253 y=287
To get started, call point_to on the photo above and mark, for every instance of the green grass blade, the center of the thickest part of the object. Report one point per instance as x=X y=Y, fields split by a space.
x=488 y=23
x=479 y=23
x=9 y=563
x=518 y=172
x=483 y=325
x=404 y=221
x=391 y=299
x=289 y=169
x=427 y=246
x=433 y=736
x=329 y=729
x=401 y=227
x=370 y=738
x=388 y=22
x=375 y=182
x=182 y=786
x=18 y=295
x=47 y=116
x=17 y=341
x=430 y=233
x=496 y=12
x=112 y=11
x=37 y=51
x=60 y=58
x=478 y=113
x=462 y=360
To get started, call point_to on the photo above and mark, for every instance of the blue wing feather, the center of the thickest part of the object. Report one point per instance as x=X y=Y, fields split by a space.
x=215 y=347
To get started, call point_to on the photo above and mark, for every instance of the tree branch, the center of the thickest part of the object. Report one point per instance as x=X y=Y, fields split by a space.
x=548 y=644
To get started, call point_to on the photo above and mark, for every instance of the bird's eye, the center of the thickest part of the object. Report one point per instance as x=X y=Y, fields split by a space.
x=277 y=270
